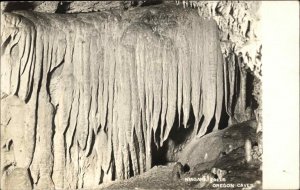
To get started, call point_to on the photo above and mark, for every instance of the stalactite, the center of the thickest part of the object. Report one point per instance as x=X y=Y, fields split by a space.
x=165 y=82
x=220 y=89
x=120 y=84
x=196 y=74
x=210 y=65
x=63 y=113
x=172 y=89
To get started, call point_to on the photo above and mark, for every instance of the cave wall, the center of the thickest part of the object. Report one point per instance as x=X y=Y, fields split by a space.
x=239 y=29
x=84 y=96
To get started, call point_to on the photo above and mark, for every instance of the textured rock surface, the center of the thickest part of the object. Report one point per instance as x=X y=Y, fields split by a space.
x=239 y=30
x=211 y=146
x=86 y=97
x=238 y=23
x=18 y=179
x=229 y=167
x=103 y=85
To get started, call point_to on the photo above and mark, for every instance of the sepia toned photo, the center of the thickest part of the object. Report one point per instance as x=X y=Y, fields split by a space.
x=150 y=94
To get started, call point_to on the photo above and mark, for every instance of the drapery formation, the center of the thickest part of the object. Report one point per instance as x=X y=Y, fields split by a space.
x=85 y=95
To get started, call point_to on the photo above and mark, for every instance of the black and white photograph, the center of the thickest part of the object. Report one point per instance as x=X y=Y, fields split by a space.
x=148 y=94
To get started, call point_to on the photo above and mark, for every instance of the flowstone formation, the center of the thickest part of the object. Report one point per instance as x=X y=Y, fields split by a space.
x=239 y=29
x=86 y=97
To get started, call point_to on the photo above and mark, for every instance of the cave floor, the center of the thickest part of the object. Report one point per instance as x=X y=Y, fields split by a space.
x=238 y=174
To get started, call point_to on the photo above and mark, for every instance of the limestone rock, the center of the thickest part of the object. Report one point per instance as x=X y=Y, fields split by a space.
x=87 y=96
x=215 y=144
x=18 y=179
x=103 y=66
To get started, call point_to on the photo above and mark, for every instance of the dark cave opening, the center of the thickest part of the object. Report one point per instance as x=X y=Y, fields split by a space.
x=151 y=2
x=19 y=5
x=224 y=117
x=177 y=136
x=211 y=126
x=63 y=7
x=131 y=173
x=250 y=100
x=180 y=136
x=144 y=3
